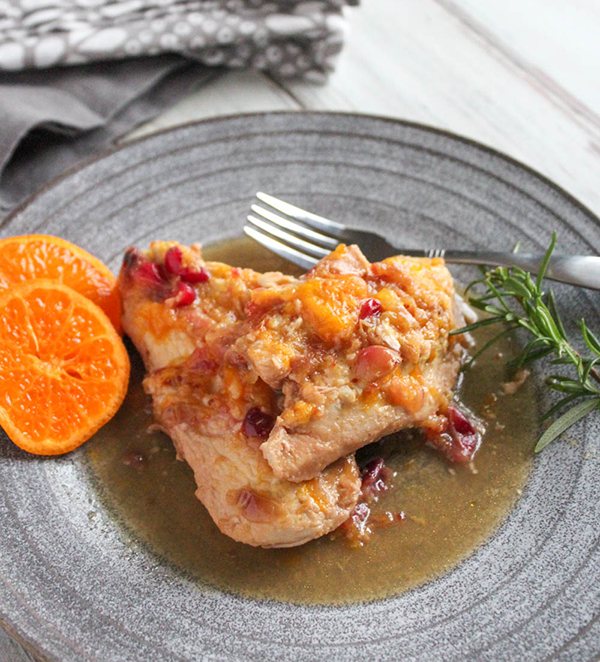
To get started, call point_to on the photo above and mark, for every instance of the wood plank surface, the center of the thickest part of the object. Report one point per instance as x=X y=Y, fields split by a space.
x=430 y=61
x=556 y=40
x=519 y=75
x=11 y=651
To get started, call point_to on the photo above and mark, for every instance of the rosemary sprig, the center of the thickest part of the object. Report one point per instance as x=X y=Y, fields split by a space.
x=536 y=313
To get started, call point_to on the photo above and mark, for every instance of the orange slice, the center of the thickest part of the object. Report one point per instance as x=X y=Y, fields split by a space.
x=42 y=256
x=63 y=368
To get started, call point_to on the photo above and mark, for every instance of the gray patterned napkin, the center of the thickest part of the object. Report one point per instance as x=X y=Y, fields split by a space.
x=286 y=37
x=75 y=74
x=53 y=119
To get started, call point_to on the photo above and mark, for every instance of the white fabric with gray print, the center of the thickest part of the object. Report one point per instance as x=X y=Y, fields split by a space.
x=285 y=37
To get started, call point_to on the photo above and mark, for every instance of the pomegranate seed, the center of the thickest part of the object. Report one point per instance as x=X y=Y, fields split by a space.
x=257 y=423
x=191 y=276
x=148 y=273
x=370 y=308
x=174 y=266
x=174 y=261
x=185 y=295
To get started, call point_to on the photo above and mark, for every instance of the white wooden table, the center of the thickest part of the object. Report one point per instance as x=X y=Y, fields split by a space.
x=522 y=76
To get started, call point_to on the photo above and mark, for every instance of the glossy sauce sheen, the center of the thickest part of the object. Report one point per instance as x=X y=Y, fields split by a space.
x=449 y=510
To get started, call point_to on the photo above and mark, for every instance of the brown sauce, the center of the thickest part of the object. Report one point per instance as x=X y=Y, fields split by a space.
x=449 y=510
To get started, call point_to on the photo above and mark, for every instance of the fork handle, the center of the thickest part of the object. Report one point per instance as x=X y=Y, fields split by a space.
x=582 y=270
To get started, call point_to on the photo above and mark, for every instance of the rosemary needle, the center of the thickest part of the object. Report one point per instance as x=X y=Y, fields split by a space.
x=535 y=311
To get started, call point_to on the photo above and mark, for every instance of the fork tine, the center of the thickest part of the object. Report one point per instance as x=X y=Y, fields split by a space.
x=290 y=239
x=318 y=238
x=302 y=260
x=331 y=227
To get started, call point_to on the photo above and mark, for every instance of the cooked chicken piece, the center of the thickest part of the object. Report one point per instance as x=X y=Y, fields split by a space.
x=183 y=315
x=359 y=351
x=218 y=432
x=173 y=301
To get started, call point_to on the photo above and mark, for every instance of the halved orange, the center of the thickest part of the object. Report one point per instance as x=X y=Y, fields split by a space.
x=43 y=256
x=63 y=368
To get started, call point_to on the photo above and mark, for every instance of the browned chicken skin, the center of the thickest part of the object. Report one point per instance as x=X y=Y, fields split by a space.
x=267 y=384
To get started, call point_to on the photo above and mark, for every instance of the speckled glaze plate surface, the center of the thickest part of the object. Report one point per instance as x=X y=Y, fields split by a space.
x=76 y=590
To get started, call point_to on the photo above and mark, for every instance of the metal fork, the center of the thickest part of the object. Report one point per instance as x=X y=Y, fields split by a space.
x=304 y=238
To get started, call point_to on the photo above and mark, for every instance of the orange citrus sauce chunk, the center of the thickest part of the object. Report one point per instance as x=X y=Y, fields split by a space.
x=331 y=305
x=407 y=391
x=63 y=368
x=42 y=256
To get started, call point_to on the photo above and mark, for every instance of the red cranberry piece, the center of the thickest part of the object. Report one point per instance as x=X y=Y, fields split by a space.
x=174 y=261
x=459 y=440
x=370 y=308
x=191 y=276
x=257 y=423
x=459 y=423
x=465 y=437
x=185 y=295
x=374 y=362
x=374 y=478
x=148 y=273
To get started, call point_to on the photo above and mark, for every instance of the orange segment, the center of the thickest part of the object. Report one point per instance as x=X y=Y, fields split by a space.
x=331 y=305
x=63 y=368
x=42 y=256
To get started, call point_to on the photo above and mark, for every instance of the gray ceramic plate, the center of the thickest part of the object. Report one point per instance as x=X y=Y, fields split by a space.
x=77 y=591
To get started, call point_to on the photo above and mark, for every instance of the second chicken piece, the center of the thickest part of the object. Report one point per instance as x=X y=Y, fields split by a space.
x=358 y=350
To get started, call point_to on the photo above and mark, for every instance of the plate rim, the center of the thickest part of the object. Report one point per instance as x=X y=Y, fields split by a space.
x=81 y=165
x=12 y=629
